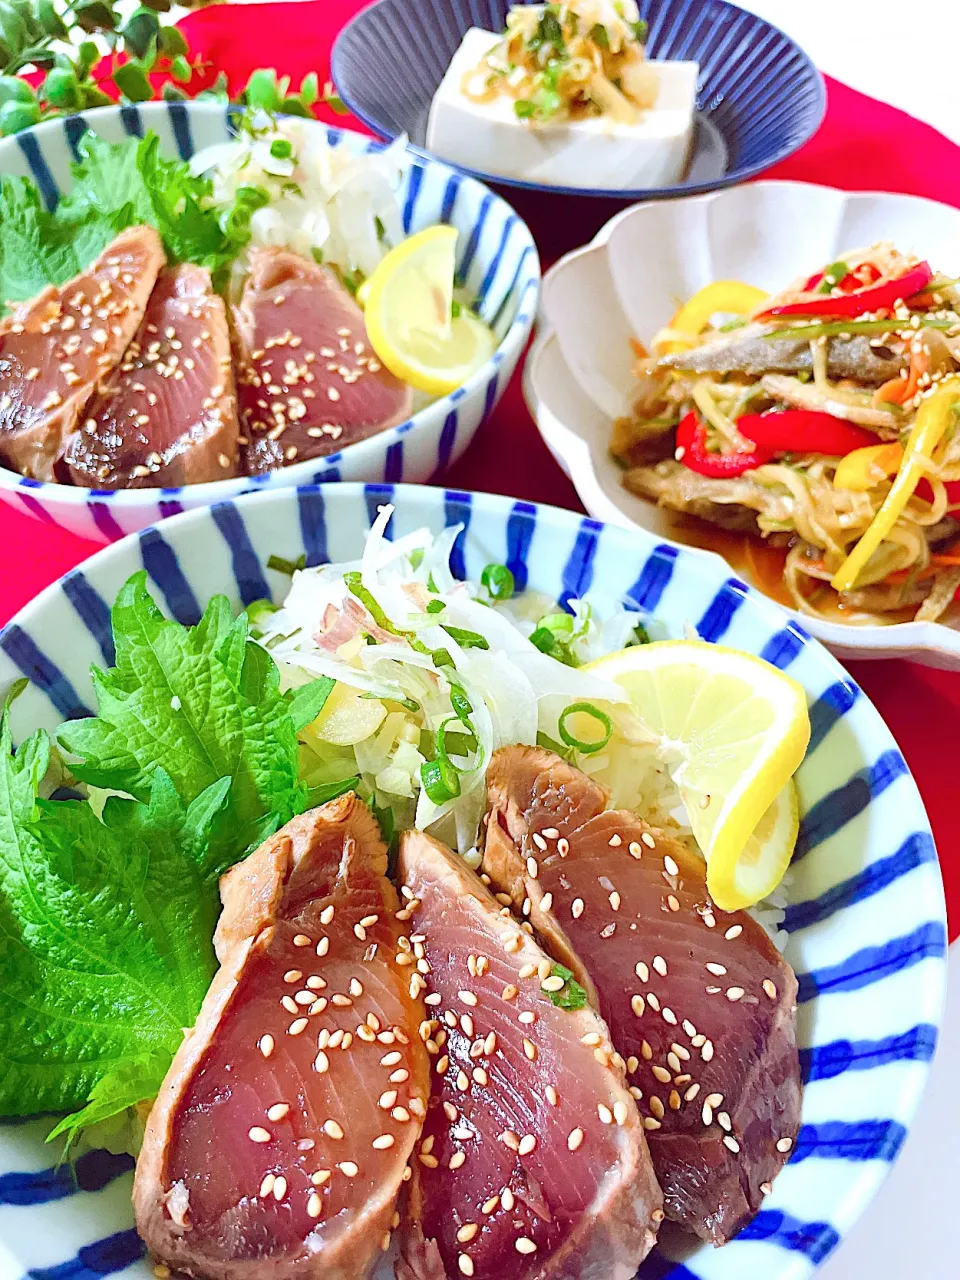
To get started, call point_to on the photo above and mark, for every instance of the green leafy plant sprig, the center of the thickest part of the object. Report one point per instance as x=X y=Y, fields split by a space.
x=80 y=48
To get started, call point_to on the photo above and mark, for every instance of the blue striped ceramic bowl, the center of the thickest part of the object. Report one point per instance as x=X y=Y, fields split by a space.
x=866 y=917
x=497 y=263
x=759 y=97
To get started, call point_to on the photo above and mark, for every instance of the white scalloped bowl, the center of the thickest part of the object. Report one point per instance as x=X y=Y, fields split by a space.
x=631 y=279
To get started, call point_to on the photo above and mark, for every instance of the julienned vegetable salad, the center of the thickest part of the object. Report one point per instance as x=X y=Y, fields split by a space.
x=435 y=674
x=569 y=61
x=823 y=420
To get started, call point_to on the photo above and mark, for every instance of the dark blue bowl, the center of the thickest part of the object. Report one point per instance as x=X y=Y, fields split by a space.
x=759 y=97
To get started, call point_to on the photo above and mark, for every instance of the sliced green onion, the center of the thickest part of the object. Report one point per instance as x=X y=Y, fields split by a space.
x=440 y=780
x=550 y=744
x=258 y=610
x=461 y=705
x=281 y=149
x=416 y=557
x=289 y=567
x=587 y=709
x=640 y=635
x=442 y=658
x=561 y=624
x=523 y=109
x=455 y=310
x=598 y=34
x=832 y=276
x=436 y=606
x=835 y=327
x=640 y=30
x=499 y=581
x=543 y=639
x=467 y=639
x=354 y=585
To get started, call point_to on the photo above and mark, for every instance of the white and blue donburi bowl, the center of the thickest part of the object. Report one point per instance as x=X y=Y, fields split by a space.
x=866 y=912
x=497 y=264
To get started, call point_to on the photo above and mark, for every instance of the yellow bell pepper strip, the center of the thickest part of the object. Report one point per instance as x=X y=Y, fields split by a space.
x=727 y=297
x=933 y=418
x=865 y=468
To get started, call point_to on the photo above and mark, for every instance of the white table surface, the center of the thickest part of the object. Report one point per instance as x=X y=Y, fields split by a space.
x=869 y=45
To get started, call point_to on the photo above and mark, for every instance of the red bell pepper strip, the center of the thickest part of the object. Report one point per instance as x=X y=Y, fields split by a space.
x=770 y=434
x=875 y=297
x=692 y=451
x=853 y=280
x=804 y=431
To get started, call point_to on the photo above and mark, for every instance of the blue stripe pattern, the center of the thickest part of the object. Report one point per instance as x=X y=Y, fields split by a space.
x=827 y=1061
x=834 y=811
x=448 y=437
x=103 y=517
x=247 y=570
x=31 y=661
x=93 y=611
x=39 y=169
x=520 y=527
x=74 y=127
x=456 y=510
x=781 y=649
x=113 y=1253
x=313 y=526
x=816 y=1240
x=90 y=1172
x=829 y=709
x=715 y=623
x=180 y=120
x=873 y=964
x=864 y=1140
x=654 y=579
x=161 y=563
x=578 y=571
x=916 y=850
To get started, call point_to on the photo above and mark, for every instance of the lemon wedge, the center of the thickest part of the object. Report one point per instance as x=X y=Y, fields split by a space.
x=409 y=310
x=732 y=730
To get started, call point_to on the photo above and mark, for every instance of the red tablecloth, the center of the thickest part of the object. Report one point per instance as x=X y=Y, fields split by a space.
x=863 y=145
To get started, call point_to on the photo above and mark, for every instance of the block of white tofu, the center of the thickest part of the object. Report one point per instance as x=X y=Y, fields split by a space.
x=597 y=153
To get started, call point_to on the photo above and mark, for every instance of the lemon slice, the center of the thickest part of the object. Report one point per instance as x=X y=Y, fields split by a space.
x=766 y=855
x=732 y=729
x=409 y=313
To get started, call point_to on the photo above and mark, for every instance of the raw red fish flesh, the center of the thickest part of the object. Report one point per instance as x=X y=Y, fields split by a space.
x=168 y=413
x=309 y=382
x=59 y=347
x=532 y=1161
x=269 y=1152
x=699 y=1002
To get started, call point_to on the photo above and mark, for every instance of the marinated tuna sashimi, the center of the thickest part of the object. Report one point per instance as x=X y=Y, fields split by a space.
x=269 y=1149
x=532 y=1161
x=309 y=382
x=59 y=347
x=699 y=1002
x=168 y=414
